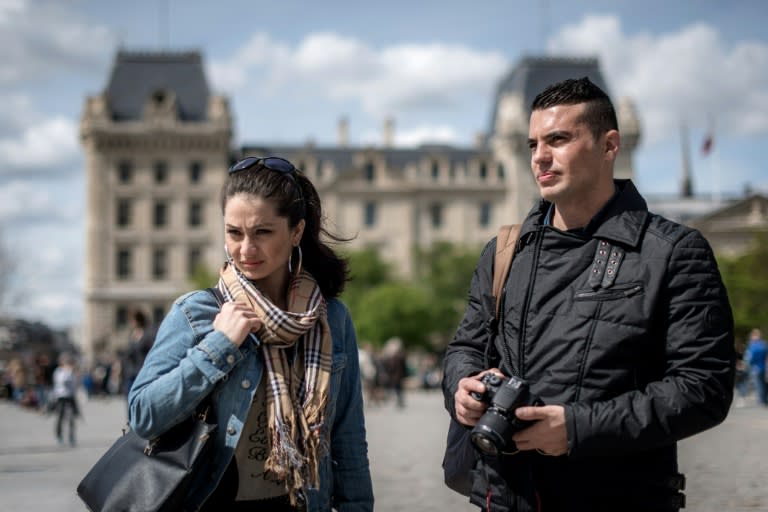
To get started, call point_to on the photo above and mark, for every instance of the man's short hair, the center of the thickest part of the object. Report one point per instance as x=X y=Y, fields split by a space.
x=599 y=114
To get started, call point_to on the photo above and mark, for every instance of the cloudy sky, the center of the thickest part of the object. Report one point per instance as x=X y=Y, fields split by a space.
x=291 y=69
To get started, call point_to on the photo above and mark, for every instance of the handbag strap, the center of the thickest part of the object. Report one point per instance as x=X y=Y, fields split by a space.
x=216 y=295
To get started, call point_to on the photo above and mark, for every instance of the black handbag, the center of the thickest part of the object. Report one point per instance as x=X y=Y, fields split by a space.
x=140 y=475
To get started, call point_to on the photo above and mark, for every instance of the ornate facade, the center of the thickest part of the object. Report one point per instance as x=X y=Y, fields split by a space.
x=158 y=144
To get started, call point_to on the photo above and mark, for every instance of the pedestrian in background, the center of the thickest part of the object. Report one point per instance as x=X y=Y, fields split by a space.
x=616 y=317
x=755 y=358
x=141 y=337
x=393 y=359
x=65 y=397
x=279 y=358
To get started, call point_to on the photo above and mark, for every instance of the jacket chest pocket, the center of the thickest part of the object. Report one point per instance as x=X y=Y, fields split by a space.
x=616 y=292
x=337 y=370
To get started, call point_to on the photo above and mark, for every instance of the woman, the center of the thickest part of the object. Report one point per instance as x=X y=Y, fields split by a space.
x=279 y=358
x=65 y=397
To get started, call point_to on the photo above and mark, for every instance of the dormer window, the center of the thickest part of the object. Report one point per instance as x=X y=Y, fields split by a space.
x=159 y=97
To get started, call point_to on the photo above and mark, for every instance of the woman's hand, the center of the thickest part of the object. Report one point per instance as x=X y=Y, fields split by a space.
x=236 y=320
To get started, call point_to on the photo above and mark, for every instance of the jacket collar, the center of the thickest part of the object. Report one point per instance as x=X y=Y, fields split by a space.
x=623 y=219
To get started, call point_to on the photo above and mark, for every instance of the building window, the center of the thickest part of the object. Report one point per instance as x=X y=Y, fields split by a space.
x=483 y=171
x=500 y=171
x=370 y=172
x=160 y=215
x=319 y=169
x=370 y=214
x=121 y=317
x=123 y=264
x=452 y=171
x=125 y=171
x=435 y=170
x=161 y=172
x=194 y=260
x=124 y=211
x=436 y=215
x=195 y=213
x=485 y=214
x=159 y=263
x=195 y=172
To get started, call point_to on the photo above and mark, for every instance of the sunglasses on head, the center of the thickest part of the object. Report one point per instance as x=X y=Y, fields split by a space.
x=273 y=163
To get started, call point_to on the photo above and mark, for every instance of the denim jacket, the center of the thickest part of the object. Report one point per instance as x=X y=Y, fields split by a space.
x=190 y=359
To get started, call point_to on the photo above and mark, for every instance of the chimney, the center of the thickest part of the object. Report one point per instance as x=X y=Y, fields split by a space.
x=480 y=140
x=342 y=132
x=389 y=132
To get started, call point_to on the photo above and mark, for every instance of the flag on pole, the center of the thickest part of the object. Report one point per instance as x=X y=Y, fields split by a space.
x=706 y=146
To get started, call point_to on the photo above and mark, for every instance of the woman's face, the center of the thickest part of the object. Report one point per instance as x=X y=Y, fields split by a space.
x=259 y=241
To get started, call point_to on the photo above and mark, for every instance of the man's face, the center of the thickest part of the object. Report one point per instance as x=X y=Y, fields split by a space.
x=569 y=165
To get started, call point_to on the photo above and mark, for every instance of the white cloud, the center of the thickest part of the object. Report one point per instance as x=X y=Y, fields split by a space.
x=383 y=81
x=41 y=39
x=49 y=204
x=41 y=145
x=416 y=136
x=692 y=73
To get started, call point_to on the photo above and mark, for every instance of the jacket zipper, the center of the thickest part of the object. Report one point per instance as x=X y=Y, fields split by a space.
x=529 y=293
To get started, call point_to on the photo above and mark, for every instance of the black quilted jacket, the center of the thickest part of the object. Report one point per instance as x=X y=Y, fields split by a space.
x=627 y=324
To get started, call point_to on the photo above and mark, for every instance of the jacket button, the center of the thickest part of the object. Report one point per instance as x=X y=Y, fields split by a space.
x=246 y=384
x=230 y=359
x=231 y=431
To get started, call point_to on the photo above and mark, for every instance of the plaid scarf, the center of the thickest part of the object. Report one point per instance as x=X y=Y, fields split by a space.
x=297 y=391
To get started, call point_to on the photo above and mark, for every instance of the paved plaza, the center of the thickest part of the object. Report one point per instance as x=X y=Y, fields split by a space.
x=726 y=467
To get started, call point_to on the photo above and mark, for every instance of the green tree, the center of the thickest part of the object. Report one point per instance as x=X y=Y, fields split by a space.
x=446 y=269
x=366 y=271
x=746 y=279
x=202 y=277
x=395 y=309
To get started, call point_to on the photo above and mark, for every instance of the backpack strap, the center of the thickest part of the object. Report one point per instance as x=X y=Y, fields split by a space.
x=506 y=241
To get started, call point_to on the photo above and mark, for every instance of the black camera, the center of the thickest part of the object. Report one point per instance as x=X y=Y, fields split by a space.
x=492 y=434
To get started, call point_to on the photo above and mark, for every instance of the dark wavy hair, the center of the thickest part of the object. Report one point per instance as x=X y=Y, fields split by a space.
x=296 y=198
x=599 y=114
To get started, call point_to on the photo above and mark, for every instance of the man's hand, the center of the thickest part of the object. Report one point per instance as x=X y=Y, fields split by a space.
x=468 y=409
x=548 y=434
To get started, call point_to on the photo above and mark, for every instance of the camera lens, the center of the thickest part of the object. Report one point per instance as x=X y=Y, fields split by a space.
x=484 y=444
x=492 y=433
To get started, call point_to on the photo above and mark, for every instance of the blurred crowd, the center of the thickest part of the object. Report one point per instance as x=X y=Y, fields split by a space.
x=388 y=371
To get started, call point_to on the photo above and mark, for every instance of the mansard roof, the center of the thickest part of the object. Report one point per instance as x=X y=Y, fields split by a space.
x=138 y=75
x=342 y=157
x=533 y=74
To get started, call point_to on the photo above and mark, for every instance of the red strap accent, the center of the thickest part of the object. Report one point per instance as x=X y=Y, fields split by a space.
x=488 y=500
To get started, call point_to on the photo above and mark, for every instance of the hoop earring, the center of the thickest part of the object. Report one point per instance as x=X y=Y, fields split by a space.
x=290 y=258
x=301 y=257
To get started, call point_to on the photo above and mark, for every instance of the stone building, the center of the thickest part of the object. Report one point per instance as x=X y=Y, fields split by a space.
x=158 y=143
x=732 y=229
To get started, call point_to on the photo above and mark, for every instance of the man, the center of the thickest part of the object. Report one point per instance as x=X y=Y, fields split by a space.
x=755 y=358
x=616 y=317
